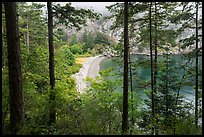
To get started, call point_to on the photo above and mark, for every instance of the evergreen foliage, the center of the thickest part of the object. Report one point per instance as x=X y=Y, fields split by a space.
x=99 y=110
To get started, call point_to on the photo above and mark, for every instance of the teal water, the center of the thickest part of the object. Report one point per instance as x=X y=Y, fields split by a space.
x=143 y=73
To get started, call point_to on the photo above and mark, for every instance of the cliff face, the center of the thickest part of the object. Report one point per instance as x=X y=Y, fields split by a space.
x=103 y=25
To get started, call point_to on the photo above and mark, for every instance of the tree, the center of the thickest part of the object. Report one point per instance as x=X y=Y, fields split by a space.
x=190 y=22
x=196 y=65
x=32 y=25
x=51 y=63
x=155 y=59
x=4 y=50
x=131 y=89
x=62 y=15
x=151 y=60
x=88 y=40
x=125 y=78
x=72 y=17
x=73 y=40
x=60 y=38
x=76 y=49
x=101 y=39
x=14 y=66
x=165 y=37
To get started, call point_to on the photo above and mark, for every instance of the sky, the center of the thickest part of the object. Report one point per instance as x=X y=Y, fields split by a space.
x=96 y=6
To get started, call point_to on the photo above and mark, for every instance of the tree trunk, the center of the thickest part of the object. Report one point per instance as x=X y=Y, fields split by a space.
x=4 y=52
x=196 y=76
x=27 y=36
x=155 y=62
x=151 y=60
x=110 y=121
x=14 y=68
x=125 y=79
x=155 y=52
x=131 y=89
x=167 y=84
x=25 y=41
x=51 y=64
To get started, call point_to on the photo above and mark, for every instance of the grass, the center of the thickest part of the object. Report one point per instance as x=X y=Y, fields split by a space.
x=83 y=55
x=80 y=60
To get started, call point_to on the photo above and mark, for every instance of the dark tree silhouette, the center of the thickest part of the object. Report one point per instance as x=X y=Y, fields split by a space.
x=125 y=80
x=51 y=63
x=151 y=60
x=14 y=68
x=155 y=57
x=196 y=76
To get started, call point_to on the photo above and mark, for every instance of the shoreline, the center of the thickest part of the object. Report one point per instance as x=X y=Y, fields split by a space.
x=147 y=54
x=85 y=71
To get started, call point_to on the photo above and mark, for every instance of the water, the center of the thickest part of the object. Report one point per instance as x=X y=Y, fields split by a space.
x=144 y=74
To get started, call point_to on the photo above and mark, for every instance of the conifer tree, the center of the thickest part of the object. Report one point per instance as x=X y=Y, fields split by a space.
x=125 y=80
x=51 y=63
x=14 y=66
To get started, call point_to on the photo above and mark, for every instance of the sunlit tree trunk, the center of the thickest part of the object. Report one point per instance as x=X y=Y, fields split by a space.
x=27 y=36
x=4 y=51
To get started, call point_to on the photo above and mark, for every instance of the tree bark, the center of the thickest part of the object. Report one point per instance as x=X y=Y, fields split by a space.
x=155 y=62
x=196 y=76
x=27 y=35
x=14 y=68
x=151 y=60
x=131 y=89
x=51 y=64
x=155 y=52
x=125 y=79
